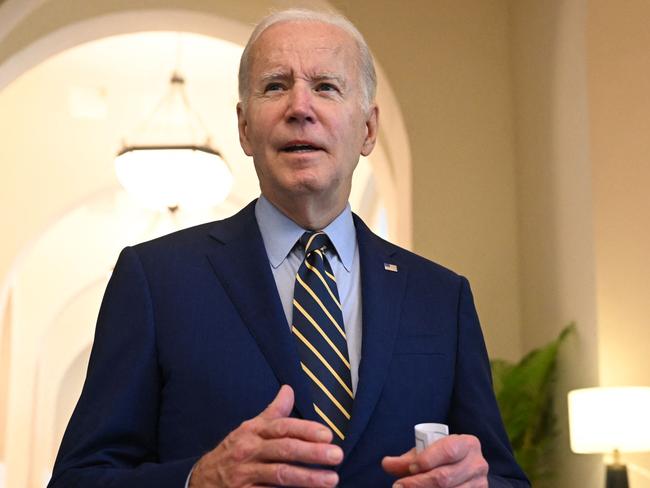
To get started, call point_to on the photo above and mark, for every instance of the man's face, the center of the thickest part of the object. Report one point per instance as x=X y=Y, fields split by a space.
x=303 y=121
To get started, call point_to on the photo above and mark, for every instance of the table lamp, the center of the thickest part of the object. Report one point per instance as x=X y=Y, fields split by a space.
x=610 y=420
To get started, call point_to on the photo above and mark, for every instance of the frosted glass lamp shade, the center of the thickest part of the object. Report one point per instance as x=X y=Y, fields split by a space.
x=602 y=420
x=162 y=177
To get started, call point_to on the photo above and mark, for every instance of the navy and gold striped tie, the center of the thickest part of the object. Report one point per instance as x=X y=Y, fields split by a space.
x=318 y=328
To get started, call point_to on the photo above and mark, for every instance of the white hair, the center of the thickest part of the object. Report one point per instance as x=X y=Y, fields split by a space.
x=365 y=62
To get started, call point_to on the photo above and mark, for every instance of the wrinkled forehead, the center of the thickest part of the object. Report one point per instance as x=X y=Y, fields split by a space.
x=306 y=45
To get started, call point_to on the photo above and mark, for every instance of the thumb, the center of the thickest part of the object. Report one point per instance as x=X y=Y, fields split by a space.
x=281 y=405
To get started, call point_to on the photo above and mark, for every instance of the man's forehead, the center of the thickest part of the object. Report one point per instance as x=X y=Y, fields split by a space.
x=305 y=41
x=288 y=50
x=306 y=30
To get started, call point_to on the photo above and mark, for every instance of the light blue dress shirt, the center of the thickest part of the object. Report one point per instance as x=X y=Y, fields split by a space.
x=280 y=235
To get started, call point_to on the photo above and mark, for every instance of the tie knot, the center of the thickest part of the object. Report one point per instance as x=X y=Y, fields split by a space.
x=314 y=240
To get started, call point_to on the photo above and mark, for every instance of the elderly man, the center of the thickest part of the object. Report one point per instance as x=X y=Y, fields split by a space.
x=288 y=345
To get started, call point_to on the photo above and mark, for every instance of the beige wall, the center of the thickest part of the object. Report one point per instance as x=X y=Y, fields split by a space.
x=5 y=361
x=555 y=202
x=619 y=100
x=449 y=65
x=619 y=70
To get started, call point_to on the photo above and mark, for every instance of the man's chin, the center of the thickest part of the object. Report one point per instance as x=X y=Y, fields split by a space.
x=301 y=191
x=305 y=184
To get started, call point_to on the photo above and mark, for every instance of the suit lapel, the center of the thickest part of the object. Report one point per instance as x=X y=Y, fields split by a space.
x=242 y=266
x=382 y=293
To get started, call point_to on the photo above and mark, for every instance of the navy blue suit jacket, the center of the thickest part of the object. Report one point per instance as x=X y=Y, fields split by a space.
x=192 y=340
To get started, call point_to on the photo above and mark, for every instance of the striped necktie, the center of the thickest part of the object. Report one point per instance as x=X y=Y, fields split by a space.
x=318 y=328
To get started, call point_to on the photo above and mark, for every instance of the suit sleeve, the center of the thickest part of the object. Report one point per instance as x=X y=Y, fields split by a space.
x=111 y=440
x=474 y=409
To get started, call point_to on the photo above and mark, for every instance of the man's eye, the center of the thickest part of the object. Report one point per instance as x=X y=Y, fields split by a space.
x=273 y=87
x=326 y=87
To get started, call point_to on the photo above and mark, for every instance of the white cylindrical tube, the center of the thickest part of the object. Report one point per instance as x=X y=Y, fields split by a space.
x=427 y=434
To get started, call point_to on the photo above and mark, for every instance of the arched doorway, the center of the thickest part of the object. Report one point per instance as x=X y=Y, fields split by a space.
x=74 y=193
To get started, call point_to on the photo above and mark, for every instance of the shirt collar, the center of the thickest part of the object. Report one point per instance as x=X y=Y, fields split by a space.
x=280 y=233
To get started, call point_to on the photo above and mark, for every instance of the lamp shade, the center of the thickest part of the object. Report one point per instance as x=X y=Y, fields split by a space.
x=602 y=420
x=167 y=176
x=169 y=162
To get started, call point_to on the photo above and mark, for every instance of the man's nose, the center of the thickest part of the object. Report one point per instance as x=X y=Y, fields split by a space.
x=300 y=104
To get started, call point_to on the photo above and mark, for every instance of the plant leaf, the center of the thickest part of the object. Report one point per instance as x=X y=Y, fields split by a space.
x=524 y=392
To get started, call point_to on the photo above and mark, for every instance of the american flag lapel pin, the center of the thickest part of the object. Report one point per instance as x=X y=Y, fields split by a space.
x=390 y=267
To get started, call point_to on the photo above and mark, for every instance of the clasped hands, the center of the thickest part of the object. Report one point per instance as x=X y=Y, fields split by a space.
x=263 y=451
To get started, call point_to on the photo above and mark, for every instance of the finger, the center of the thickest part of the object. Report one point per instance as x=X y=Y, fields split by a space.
x=449 y=450
x=307 y=430
x=297 y=451
x=399 y=465
x=281 y=405
x=451 y=462
x=288 y=475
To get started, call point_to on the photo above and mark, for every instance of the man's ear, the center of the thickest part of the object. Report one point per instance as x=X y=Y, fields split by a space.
x=242 y=125
x=372 y=127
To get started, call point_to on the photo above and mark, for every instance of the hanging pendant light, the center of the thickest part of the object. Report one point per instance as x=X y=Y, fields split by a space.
x=170 y=161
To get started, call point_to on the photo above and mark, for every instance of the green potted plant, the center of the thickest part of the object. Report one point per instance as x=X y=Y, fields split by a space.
x=525 y=392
